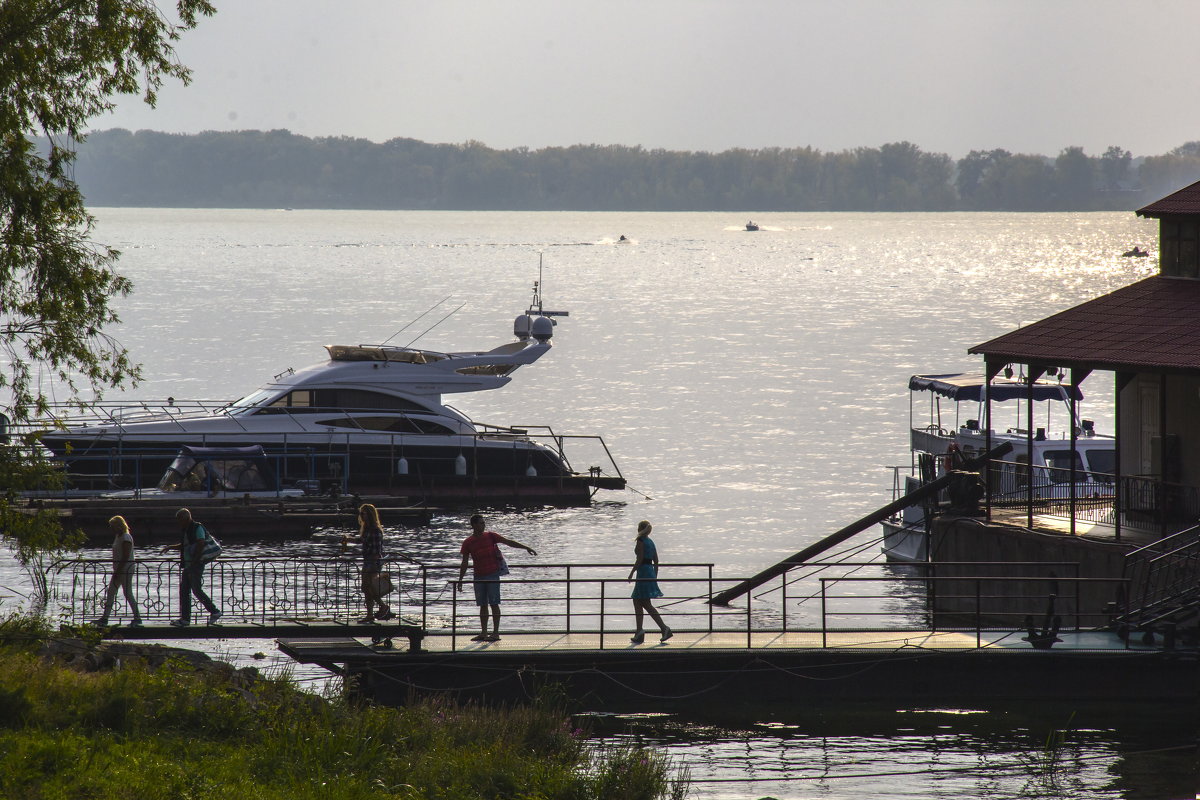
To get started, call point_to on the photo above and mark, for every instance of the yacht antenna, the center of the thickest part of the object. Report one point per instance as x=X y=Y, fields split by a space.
x=535 y=305
x=434 y=325
x=413 y=322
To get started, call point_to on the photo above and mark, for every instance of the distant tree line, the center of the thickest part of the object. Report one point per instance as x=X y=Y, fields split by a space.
x=278 y=169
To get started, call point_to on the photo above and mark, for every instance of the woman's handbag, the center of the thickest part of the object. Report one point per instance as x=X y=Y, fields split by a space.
x=383 y=584
x=501 y=561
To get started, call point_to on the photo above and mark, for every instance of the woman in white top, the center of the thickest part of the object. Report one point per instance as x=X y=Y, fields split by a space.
x=122 y=571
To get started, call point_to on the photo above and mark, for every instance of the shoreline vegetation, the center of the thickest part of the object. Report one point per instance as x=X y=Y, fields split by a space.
x=85 y=718
x=278 y=169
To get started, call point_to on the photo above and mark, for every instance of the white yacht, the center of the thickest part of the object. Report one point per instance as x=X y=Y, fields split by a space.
x=949 y=435
x=370 y=420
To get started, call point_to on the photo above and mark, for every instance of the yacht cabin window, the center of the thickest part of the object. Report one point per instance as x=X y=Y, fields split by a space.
x=310 y=401
x=388 y=425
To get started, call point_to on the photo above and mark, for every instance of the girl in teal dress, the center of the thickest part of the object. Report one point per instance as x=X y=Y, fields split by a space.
x=645 y=567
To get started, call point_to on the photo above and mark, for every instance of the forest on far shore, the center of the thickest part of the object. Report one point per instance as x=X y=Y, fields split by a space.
x=278 y=169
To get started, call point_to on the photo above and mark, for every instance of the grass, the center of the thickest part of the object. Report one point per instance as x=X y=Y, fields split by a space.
x=178 y=733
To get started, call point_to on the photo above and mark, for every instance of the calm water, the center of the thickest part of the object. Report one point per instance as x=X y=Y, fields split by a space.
x=751 y=385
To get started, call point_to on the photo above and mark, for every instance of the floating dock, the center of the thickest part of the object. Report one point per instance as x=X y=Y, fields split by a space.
x=701 y=668
x=568 y=626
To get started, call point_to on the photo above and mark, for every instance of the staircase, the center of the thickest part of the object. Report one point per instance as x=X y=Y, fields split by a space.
x=1163 y=580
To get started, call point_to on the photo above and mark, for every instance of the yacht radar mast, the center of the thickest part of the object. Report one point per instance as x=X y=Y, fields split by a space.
x=535 y=305
x=537 y=321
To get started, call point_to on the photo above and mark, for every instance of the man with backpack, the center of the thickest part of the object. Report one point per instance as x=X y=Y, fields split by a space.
x=197 y=547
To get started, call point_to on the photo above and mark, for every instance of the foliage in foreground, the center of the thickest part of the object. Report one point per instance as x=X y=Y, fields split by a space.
x=62 y=63
x=179 y=733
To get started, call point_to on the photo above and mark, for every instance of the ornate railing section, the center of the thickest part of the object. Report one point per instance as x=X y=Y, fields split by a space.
x=248 y=590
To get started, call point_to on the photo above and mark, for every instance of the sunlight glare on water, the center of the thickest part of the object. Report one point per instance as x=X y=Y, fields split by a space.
x=752 y=384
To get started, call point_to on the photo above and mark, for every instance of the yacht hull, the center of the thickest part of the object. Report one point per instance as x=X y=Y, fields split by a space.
x=467 y=471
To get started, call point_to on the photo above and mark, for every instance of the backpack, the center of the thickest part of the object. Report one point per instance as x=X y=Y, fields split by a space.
x=212 y=548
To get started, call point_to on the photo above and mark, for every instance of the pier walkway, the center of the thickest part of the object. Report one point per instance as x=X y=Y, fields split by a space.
x=811 y=635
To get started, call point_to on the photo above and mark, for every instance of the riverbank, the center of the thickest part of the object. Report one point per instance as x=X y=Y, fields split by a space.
x=82 y=718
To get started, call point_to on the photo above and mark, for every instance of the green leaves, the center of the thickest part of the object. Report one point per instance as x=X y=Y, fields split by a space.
x=62 y=62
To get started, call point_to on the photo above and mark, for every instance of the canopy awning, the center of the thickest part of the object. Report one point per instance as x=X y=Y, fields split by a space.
x=970 y=387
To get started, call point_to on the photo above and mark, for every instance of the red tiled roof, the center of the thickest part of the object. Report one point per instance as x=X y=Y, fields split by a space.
x=1184 y=201
x=1152 y=325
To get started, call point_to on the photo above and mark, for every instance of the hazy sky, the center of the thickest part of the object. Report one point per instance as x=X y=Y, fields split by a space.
x=1030 y=76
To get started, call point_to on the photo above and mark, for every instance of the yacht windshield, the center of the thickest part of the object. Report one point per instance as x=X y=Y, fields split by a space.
x=252 y=400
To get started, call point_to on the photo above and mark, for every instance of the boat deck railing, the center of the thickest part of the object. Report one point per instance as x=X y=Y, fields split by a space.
x=118 y=412
x=283 y=593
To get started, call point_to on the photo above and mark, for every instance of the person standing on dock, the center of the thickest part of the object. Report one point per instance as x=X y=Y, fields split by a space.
x=482 y=549
x=122 y=571
x=370 y=531
x=192 y=540
x=645 y=567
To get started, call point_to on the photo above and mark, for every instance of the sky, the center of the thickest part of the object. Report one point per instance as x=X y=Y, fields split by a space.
x=950 y=76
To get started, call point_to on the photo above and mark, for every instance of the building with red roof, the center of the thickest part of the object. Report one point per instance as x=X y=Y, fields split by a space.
x=1147 y=336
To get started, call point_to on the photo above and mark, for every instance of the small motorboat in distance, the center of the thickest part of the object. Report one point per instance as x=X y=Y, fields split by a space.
x=1136 y=252
x=752 y=226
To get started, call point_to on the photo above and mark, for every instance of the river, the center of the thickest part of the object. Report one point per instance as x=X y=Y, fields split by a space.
x=752 y=387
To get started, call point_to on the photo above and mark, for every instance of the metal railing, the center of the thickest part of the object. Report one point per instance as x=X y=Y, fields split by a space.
x=247 y=590
x=981 y=603
x=1146 y=503
x=1165 y=577
x=592 y=599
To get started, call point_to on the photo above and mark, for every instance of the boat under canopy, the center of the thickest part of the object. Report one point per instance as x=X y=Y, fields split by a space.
x=973 y=387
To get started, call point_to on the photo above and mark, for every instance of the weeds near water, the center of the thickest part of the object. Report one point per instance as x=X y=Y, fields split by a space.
x=177 y=732
x=1047 y=768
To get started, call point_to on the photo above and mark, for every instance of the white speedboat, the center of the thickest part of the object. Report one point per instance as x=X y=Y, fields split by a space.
x=950 y=435
x=370 y=420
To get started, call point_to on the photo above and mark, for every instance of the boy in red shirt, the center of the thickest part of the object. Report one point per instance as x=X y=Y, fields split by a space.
x=482 y=548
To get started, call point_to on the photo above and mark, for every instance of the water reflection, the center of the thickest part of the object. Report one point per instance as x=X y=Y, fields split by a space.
x=754 y=388
x=856 y=752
